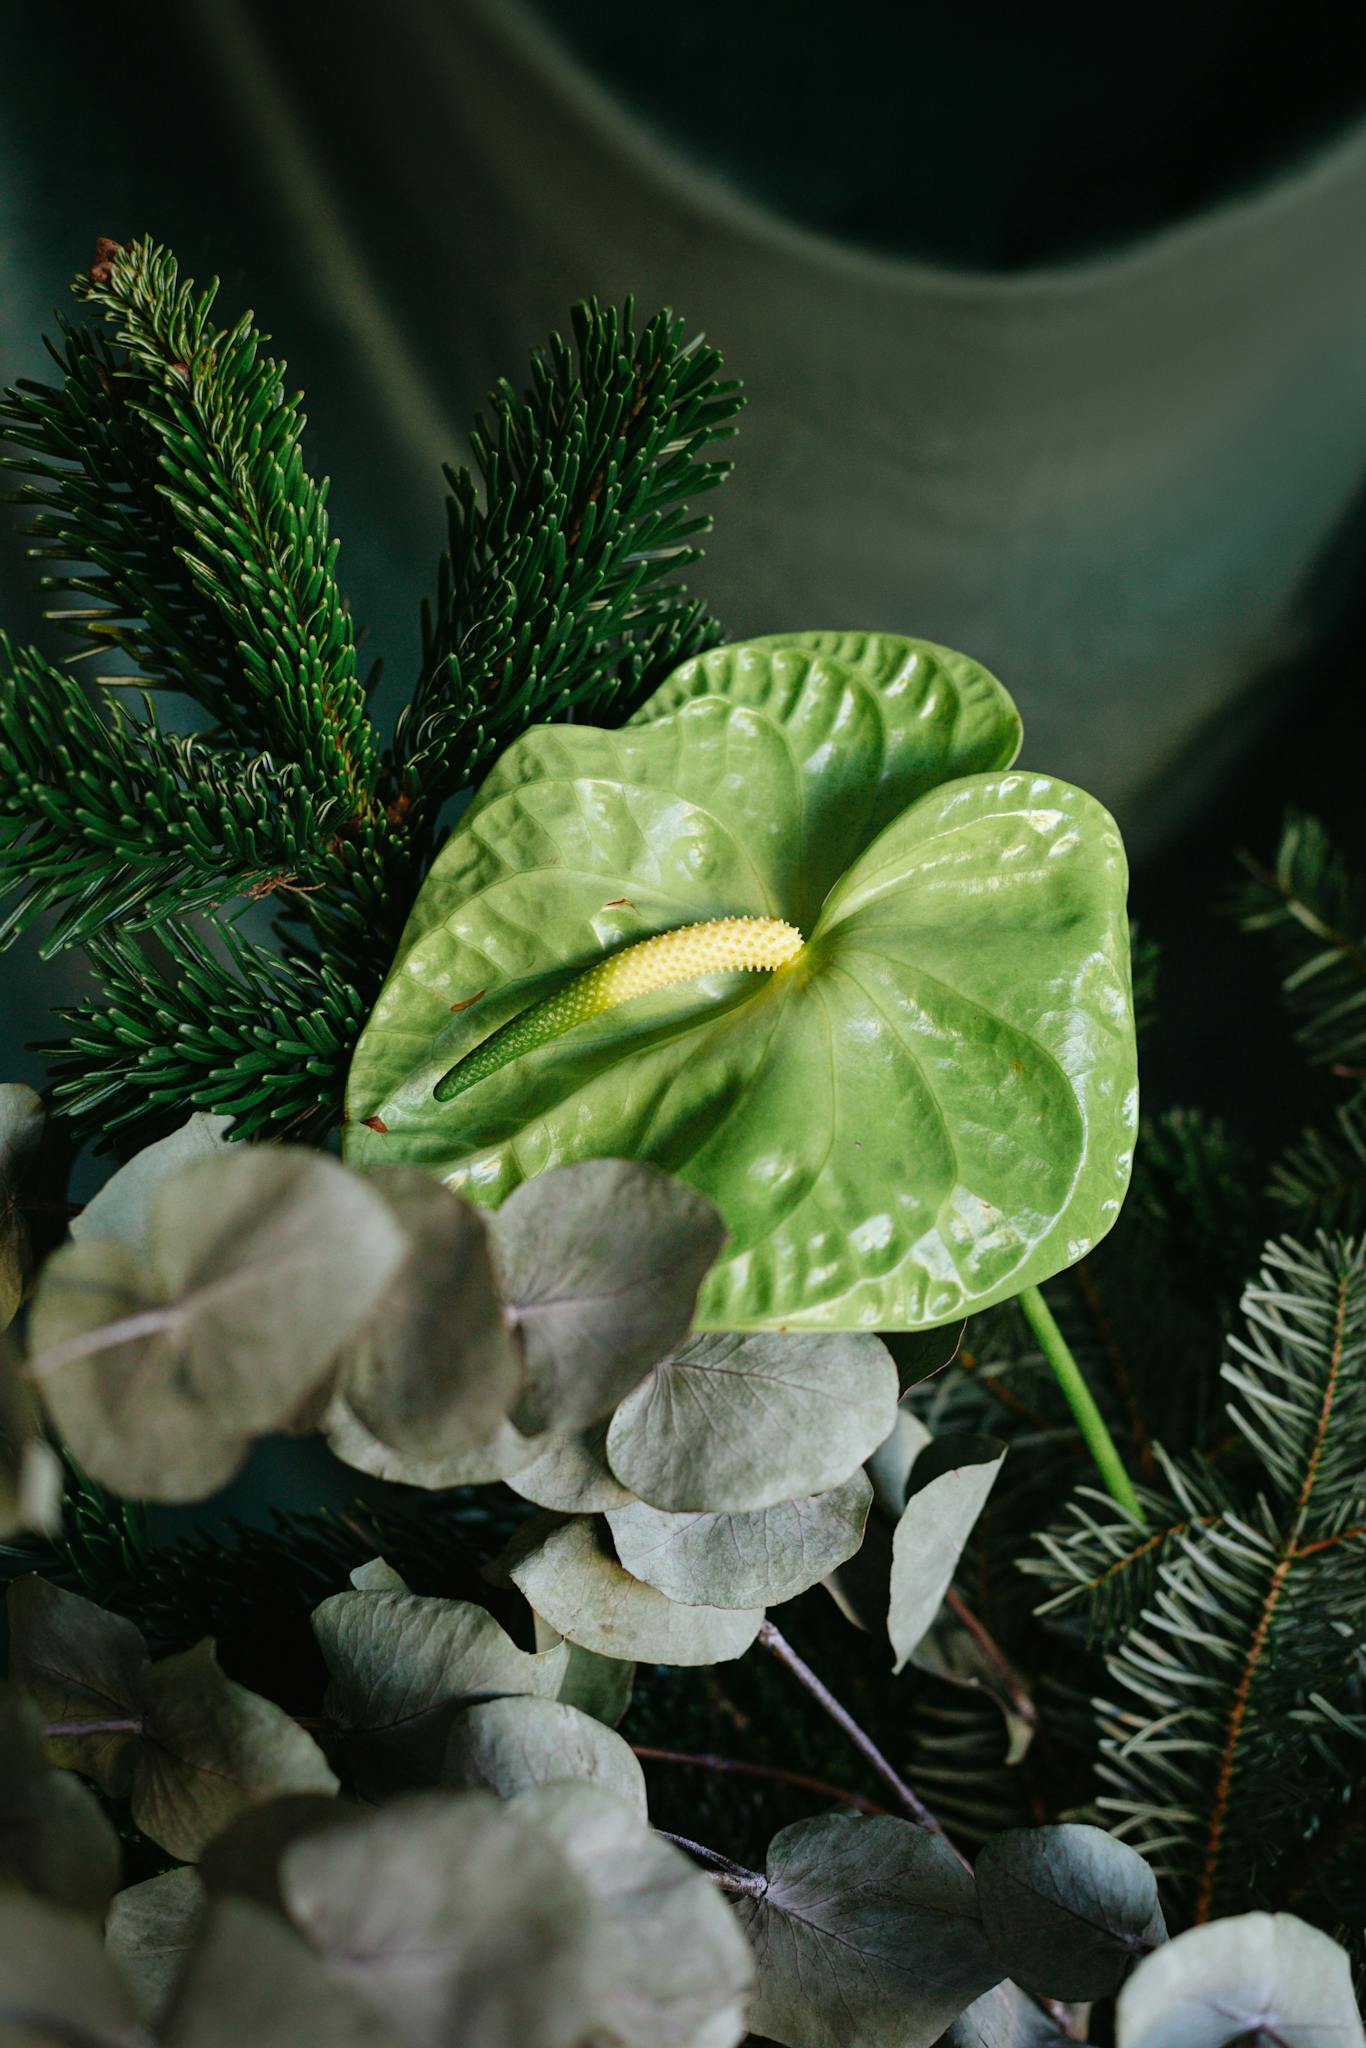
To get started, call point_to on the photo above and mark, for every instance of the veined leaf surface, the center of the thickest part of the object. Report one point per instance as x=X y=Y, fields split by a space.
x=931 y=1107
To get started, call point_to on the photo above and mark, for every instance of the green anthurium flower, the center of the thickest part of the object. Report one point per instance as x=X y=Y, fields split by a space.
x=897 y=1052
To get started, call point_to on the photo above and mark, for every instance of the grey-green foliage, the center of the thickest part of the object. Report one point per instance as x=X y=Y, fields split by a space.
x=742 y=1560
x=159 y=1367
x=949 y=1484
x=211 y=1295
x=599 y=1266
x=54 y=1839
x=575 y=1583
x=21 y=1125
x=1254 y=1977
x=729 y=1424
x=185 y=1745
x=1068 y=1910
x=150 y=1931
x=400 y=1665
x=866 y=1935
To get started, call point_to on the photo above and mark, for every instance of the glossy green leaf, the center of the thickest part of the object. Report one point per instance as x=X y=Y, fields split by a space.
x=750 y=1560
x=159 y=1367
x=930 y=1108
x=437 y=1368
x=598 y=1268
x=732 y=1423
x=575 y=1584
x=672 y=1962
x=1068 y=1910
x=1254 y=1977
x=55 y=1839
x=949 y=1484
x=452 y=1916
x=21 y=1124
x=186 y=1745
x=509 y=1745
x=58 y=1988
x=401 y=1664
x=866 y=1936
x=149 y=1932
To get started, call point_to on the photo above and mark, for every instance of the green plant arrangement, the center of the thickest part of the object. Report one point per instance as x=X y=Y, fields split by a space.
x=717 y=1090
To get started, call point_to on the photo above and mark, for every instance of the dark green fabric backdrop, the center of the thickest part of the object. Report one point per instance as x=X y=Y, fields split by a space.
x=1053 y=340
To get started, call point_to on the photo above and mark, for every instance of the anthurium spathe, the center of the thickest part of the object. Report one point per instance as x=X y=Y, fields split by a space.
x=919 y=1101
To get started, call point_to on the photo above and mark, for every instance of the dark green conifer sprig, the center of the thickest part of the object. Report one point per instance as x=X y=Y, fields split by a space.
x=183 y=540
x=112 y=820
x=1312 y=902
x=558 y=594
x=1234 y=1618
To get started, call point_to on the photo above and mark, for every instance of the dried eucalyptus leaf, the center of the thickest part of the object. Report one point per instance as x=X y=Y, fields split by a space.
x=1254 y=1977
x=509 y=1745
x=599 y=1265
x=210 y=1749
x=22 y=1117
x=455 y=1918
x=889 y=1468
x=274 y=1256
x=572 y=1475
x=674 y=1961
x=250 y=1980
x=58 y=1988
x=750 y=1560
x=55 y=1839
x=160 y=1368
x=400 y=1664
x=149 y=1932
x=437 y=1368
x=866 y=1936
x=31 y=1483
x=949 y=1485
x=1005 y=2018
x=184 y=1743
x=245 y=1858
x=123 y=1207
x=86 y=1669
x=1068 y=1910
x=128 y=1412
x=574 y=1584
x=348 y=1438
x=376 y=1576
x=733 y=1423
x=600 y=1686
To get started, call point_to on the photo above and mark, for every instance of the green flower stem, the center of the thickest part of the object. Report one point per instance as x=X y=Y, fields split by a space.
x=1080 y=1400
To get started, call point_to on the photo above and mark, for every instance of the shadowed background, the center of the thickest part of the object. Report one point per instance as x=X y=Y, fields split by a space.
x=1053 y=347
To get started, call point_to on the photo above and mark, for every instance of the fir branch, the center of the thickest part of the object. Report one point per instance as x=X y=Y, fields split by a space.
x=256 y=1036
x=104 y=819
x=255 y=534
x=1314 y=905
x=100 y=519
x=1244 y=1624
x=1321 y=1179
x=558 y=594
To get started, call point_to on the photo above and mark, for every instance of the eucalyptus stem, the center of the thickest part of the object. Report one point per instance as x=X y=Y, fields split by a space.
x=778 y=1646
x=1080 y=1400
